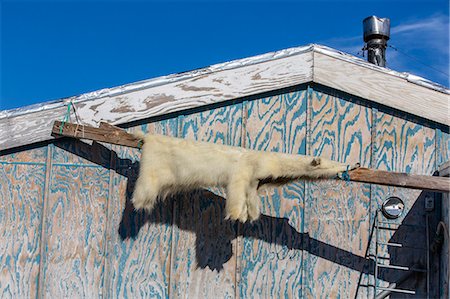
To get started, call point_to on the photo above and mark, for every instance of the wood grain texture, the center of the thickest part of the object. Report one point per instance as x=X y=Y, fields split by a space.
x=204 y=249
x=337 y=212
x=400 y=179
x=270 y=255
x=72 y=151
x=21 y=201
x=403 y=146
x=382 y=88
x=442 y=147
x=198 y=89
x=105 y=133
x=36 y=155
x=138 y=244
x=75 y=232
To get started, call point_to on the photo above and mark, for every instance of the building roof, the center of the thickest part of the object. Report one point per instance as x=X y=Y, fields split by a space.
x=232 y=80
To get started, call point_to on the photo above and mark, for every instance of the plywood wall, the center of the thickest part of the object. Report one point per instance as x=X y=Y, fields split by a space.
x=68 y=228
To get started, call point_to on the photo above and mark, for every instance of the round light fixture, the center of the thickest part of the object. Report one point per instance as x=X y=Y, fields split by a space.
x=392 y=207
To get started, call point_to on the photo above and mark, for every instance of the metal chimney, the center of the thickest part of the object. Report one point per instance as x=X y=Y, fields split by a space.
x=376 y=35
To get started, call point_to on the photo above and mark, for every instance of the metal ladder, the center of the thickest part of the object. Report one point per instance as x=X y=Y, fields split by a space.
x=385 y=291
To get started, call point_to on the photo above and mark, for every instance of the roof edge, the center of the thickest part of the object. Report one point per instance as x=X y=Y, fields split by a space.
x=238 y=63
x=158 y=81
x=404 y=75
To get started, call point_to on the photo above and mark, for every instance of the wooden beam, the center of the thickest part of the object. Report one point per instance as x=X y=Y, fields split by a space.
x=107 y=133
x=399 y=179
x=114 y=135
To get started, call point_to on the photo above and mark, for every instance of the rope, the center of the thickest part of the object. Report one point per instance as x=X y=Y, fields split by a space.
x=66 y=118
x=345 y=175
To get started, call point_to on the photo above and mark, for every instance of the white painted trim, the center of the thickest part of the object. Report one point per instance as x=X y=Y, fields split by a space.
x=136 y=102
x=382 y=87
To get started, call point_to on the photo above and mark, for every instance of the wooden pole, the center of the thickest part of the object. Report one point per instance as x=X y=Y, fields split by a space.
x=114 y=135
x=400 y=179
x=107 y=133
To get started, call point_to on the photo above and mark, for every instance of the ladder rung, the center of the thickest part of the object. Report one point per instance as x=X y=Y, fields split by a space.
x=386 y=228
x=391 y=244
x=393 y=267
x=381 y=257
x=386 y=222
x=397 y=290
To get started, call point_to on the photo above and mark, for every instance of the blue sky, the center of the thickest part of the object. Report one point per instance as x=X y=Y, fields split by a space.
x=56 y=49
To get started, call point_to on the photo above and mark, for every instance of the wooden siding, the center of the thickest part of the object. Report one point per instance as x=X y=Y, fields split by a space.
x=203 y=260
x=269 y=252
x=74 y=232
x=68 y=228
x=401 y=145
x=442 y=147
x=139 y=244
x=21 y=201
x=338 y=212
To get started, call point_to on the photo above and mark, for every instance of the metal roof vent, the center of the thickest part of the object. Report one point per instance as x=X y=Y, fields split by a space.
x=376 y=35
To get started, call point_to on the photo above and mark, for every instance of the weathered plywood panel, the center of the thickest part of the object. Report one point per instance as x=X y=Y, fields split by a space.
x=337 y=212
x=75 y=218
x=270 y=255
x=166 y=95
x=72 y=151
x=338 y=227
x=389 y=90
x=442 y=147
x=403 y=146
x=36 y=155
x=21 y=201
x=138 y=244
x=204 y=249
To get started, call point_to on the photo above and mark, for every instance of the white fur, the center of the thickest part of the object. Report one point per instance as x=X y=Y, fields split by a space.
x=169 y=165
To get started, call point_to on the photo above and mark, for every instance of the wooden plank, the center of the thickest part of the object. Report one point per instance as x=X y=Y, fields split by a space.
x=442 y=147
x=204 y=248
x=399 y=179
x=107 y=133
x=21 y=201
x=75 y=221
x=382 y=88
x=164 y=95
x=269 y=256
x=139 y=244
x=337 y=214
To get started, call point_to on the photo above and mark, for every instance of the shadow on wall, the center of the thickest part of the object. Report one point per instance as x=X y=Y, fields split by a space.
x=202 y=212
